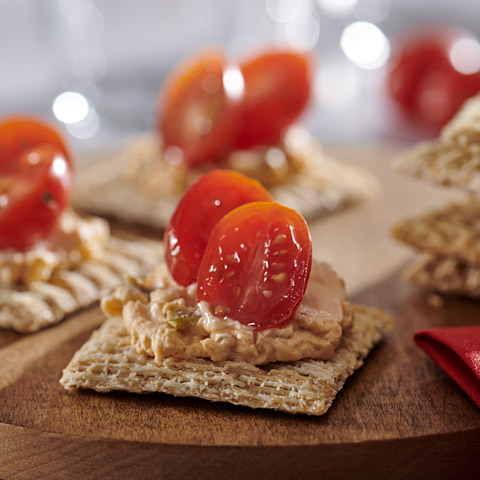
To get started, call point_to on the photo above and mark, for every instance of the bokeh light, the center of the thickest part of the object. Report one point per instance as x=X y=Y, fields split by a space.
x=59 y=166
x=233 y=82
x=365 y=45
x=87 y=127
x=465 y=55
x=70 y=107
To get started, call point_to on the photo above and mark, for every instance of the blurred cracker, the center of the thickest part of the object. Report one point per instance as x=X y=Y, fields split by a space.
x=446 y=164
x=322 y=187
x=42 y=304
x=452 y=231
x=445 y=274
x=454 y=159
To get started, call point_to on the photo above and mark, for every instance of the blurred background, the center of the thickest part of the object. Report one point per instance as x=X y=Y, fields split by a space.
x=96 y=66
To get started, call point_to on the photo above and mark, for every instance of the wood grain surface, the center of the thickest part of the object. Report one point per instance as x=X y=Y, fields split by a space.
x=398 y=417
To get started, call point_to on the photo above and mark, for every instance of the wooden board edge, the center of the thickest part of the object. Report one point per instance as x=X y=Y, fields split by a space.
x=26 y=453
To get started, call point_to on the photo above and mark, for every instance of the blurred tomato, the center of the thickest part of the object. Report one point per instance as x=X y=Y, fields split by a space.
x=33 y=195
x=433 y=70
x=277 y=90
x=209 y=107
x=198 y=107
x=21 y=133
x=35 y=180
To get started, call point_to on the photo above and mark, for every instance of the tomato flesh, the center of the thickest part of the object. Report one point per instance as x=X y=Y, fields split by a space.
x=197 y=110
x=422 y=79
x=33 y=194
x=277 y=90
x=256 y=265
x=201 y=207
x=20 y=134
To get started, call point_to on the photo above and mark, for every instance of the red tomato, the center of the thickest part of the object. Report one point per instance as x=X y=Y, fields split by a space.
x=20 y=134
x=277 y=90
x=33 y=194
x=424 y=78
x=198 y=107
x=201 y=207
x=256 y=265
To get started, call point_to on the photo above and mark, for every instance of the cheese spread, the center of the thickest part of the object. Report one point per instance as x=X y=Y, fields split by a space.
x=167 y=322
x=157 y=170
x=75 y=240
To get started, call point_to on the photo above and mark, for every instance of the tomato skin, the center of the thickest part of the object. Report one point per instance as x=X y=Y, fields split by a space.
x=201 y=207
x=277 y=90
x=422 y=80
x=196 y=112
x=256 y=265
x=37 y=192
x=19 y=134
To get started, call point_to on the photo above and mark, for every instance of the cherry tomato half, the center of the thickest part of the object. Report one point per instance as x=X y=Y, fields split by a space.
x=20 y=134
x=277 y=90
x=201 y=207
x=198 y=107
x=432 y=72
x=32 y=196
x=256 y=265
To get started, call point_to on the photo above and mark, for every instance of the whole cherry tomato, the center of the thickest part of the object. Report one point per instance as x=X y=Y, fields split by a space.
x=433 y=70
x=198 y=107
x=33 y=193
x=256 y=265
x=201 y=207
x=19 y=134
x=277 y=90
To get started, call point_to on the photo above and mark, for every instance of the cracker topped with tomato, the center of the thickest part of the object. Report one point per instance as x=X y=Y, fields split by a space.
x=237 y=268
x=215 y=112
x=52 y=261
x=237 y=309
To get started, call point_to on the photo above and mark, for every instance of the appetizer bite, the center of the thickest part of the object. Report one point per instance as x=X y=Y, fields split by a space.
x=238 y=312
x=448 y=239
x=214 y=114
x=52 y=261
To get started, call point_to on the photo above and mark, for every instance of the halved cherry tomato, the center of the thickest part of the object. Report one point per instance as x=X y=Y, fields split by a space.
x=256 y=265
x=20 y=134
x=277 y=90
x=423 y=79
x=33 y=194
x=201 y=207
x=198 y=109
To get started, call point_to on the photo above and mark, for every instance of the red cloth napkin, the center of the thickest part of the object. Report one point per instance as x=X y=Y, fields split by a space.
x=457 y=352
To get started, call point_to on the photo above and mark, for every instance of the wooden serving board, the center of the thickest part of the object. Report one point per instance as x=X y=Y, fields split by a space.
x=399 y=416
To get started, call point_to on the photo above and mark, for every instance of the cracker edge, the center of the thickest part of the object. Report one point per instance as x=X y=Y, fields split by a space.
x=95 y=366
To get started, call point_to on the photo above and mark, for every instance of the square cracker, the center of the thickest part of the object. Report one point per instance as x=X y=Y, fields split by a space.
x=447 y=164
x=42 y=304
x=324 y=186
x=454 y=159
x=445 y=274
x=453 y=231
x=108 y=362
